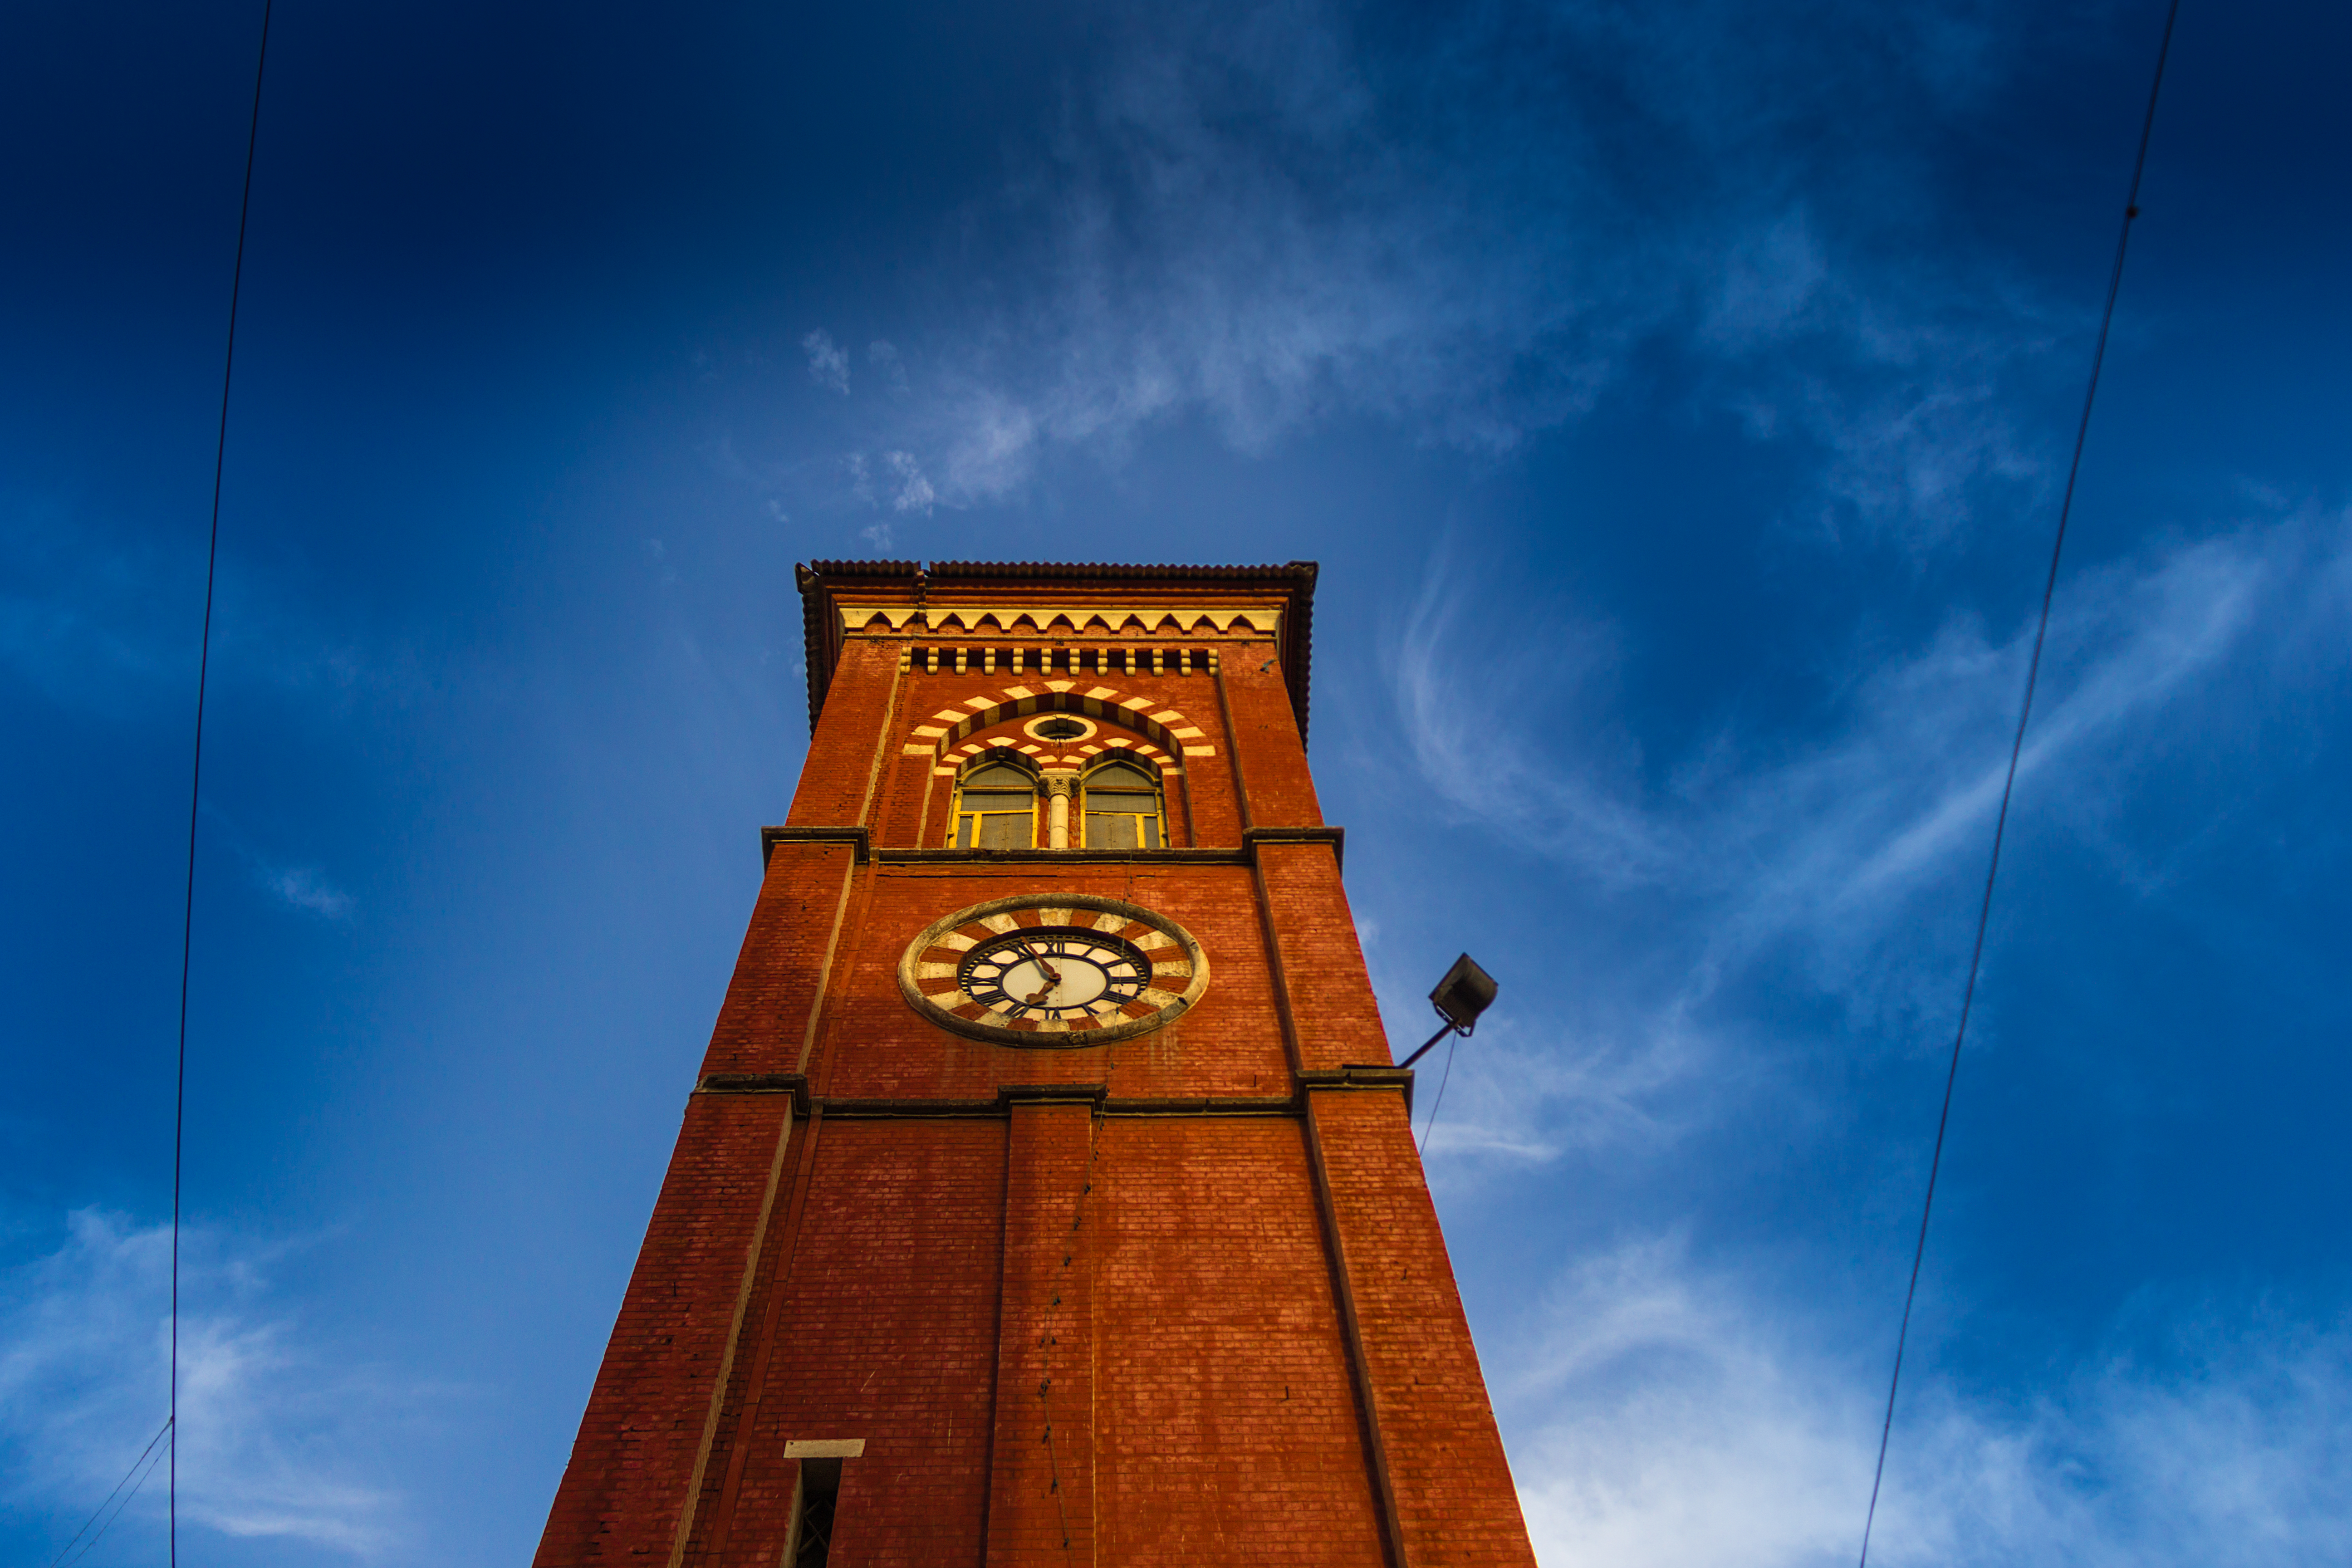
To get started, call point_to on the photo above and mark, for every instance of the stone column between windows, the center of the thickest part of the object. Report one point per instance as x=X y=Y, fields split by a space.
x=1057 y=809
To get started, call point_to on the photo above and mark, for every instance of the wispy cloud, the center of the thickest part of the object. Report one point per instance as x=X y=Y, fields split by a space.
x=888 y=363
x=99 y=618
x=1529 y=1094
x=1669 y=1415
x=914 y=493
x=828 y=362
x=1817 y=854
x=273 y=1432
x=1907 y=773
x=1273 y=215
x=306 y=888
x=297 y=886
x=894 y=479
x=1473 y=747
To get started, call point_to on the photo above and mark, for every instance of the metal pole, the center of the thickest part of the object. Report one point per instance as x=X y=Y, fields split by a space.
x=1433 y=1039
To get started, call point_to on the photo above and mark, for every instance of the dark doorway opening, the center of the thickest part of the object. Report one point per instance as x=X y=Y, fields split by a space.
x=819 y=1490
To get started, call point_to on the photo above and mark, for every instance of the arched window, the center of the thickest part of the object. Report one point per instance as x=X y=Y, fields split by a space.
x=996 y=808
x=1122 y=808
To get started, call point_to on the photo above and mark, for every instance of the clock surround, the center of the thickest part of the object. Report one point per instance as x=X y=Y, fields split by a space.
x=954 y=971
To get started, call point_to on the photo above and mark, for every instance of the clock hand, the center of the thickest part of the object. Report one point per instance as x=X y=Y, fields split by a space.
x=1053 y=978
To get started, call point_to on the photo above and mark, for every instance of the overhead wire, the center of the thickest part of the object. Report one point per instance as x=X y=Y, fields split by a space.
x=145 y=1461
x=1439 y=1103
x=145 y=1475
x=195 y=783
x=2016 y=750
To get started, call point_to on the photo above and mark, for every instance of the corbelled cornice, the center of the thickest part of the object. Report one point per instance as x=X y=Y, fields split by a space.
x=1019 y=599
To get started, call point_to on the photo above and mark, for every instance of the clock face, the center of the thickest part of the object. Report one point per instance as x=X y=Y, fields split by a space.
x=1063 y=973
x=1059 y=969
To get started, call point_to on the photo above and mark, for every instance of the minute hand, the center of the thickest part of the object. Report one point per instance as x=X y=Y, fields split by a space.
x=1053 y=976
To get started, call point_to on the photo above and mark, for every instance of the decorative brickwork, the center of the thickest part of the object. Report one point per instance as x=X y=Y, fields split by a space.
x=1175 y=1297
x=1168 y=734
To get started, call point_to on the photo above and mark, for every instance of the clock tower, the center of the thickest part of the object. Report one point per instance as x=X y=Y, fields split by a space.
x=1046 y=1196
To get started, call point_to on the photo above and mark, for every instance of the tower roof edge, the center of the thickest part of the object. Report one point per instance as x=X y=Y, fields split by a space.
x=821 y=621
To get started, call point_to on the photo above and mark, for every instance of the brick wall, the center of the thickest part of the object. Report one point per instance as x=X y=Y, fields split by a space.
x=1229 y=1430
x=882 y=1325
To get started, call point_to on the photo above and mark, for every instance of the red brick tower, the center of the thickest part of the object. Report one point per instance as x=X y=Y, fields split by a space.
x=1035 y=1204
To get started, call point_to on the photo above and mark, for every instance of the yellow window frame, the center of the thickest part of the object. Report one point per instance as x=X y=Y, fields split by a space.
x=1157 y=816
x=959 y=817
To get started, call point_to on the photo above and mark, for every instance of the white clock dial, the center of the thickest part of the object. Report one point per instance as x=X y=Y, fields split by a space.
x=1061 y=972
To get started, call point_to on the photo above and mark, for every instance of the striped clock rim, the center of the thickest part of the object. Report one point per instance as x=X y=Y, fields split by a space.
x=929 y=980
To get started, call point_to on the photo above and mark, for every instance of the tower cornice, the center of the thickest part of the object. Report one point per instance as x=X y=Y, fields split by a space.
x=897 y=598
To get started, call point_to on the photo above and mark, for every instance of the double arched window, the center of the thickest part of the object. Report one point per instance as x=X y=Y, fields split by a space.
x=1116 y=804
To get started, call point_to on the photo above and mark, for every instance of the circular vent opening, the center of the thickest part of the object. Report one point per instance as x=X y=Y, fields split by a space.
x=1059 y=729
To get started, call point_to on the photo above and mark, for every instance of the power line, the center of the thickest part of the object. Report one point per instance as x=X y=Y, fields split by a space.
x=1439 y=1103
x=197 y=779
x=146 y=1460
x=144 y=1476
x=2016 y=750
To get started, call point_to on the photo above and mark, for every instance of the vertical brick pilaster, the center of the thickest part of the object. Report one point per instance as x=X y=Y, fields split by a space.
x=1041 y=1506
x=786 y=954
x=1333 y=1011
x=1266 y=741
x=634 y=1463
x=1455 y=1504
x=851 y=735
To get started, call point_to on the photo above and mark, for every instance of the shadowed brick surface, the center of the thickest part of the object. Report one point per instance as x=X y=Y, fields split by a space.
x=1445 y=1458
x=887 y=1330
x=1228 y=1430
x=1041 y=1505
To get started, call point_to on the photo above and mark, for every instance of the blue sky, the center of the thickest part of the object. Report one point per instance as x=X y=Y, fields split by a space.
x=1677 y=398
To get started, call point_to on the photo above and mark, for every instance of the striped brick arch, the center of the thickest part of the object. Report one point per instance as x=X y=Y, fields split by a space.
x=1167 y=735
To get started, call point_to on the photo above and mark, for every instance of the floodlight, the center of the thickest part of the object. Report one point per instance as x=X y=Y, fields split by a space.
x=1464 y=993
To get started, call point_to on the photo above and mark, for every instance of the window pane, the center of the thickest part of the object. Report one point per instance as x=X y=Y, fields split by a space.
x=1004 y=831
x=1137 y=804
x=1118 y=775
x=1108 y=832
x=995 y=800
x=997 y=775
x=1151 y=833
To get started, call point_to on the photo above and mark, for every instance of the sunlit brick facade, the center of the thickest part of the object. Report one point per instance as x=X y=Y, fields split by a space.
x=933 y=1282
